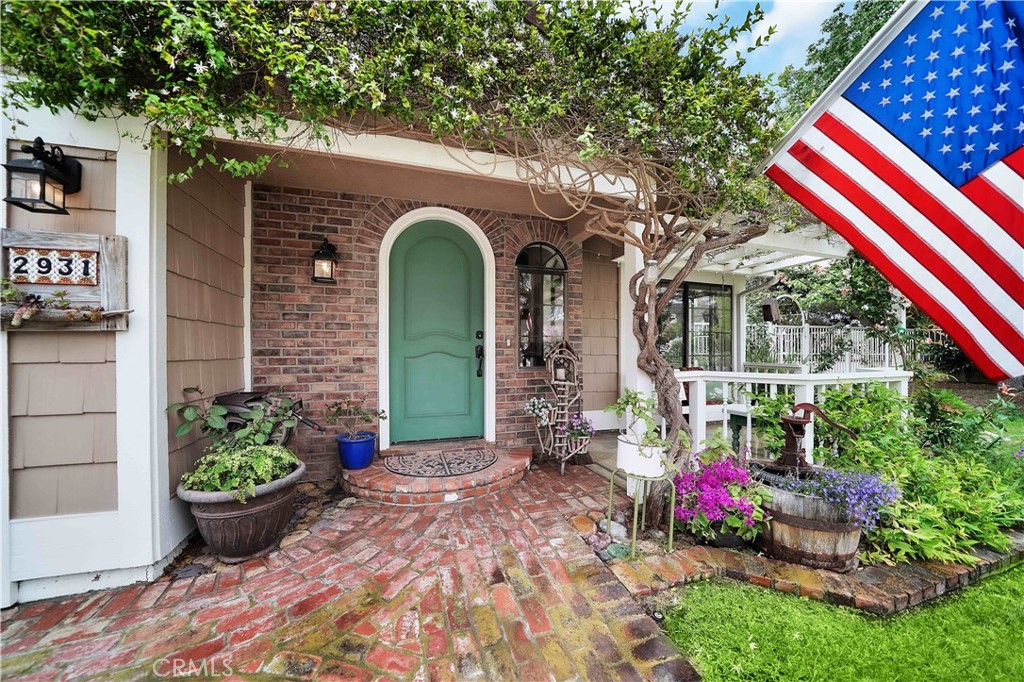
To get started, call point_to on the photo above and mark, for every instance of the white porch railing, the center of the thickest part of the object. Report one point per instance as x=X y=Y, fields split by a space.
x=716 y=396
x=830 y=349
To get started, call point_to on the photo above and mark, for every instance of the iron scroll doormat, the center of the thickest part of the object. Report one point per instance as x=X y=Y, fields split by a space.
x=440 y=464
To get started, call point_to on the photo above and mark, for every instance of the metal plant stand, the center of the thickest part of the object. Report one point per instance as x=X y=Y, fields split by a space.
x=639 y=508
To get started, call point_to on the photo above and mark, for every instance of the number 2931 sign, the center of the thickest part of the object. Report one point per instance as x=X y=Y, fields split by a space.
x=55 y=266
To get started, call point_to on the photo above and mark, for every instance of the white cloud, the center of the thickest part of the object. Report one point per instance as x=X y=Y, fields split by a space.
x=797 y=23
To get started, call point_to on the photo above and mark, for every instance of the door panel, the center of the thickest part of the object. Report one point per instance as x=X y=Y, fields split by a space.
x=436 y=285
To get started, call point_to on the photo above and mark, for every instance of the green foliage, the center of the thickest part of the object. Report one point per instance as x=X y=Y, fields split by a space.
x=265 y=423
x=209 y=419
x=642 y=421
x=952 y=426
x=844 y=34
x=8 y=292
x=600 y=80
x=239 y=469
x=766 y=417
x=734 y=632
x=952 y=502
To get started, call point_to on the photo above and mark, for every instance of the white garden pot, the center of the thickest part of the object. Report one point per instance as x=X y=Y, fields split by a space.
x=639 y=460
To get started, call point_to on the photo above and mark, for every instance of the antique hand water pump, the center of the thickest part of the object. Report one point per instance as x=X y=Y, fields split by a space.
x=795 y=427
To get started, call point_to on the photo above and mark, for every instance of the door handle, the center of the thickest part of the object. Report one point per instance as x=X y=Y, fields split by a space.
x=480 y=357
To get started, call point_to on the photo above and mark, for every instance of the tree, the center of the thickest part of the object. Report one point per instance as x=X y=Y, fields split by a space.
x=640 y=121
x=844 y=35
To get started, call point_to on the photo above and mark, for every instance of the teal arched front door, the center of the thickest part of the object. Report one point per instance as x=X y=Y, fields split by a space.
x=436 y=323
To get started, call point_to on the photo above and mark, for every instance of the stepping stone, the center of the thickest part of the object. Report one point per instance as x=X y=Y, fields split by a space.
x=294 y=537
x=618 y=550
x=583 y=525
x=615 y=529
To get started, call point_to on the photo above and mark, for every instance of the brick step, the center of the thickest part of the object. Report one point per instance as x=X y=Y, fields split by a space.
x=377 y=483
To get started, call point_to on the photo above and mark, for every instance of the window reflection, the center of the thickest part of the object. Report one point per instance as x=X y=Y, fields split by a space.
x=541 y=273
x=696 y=327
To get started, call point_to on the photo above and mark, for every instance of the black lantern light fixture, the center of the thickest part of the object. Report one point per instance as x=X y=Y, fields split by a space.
x=40 y=184
x=323 y=263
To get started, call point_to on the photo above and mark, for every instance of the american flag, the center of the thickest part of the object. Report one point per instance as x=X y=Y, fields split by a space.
x=914 y=155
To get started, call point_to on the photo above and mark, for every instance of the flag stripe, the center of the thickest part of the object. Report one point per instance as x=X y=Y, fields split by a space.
x=1016 y=162
x=996 y=205
x=970 y=216
x=1005 y=294
x=912 y=243
x=912 y=278
x=980 y=251
x=1006 y=181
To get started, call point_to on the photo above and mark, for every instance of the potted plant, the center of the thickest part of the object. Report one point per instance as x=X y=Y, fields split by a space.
x=817 y=520
x=719 y=502
x=242 y=489
x=355 y=447
x=640 y=450
x=579 y=430
x=242 y=497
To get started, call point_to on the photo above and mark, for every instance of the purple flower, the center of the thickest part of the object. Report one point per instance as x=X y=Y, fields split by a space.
x=861 y=496
x=1020 y=453
x=715 y=492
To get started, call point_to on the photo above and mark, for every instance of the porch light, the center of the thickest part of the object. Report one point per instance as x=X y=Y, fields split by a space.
x=40 y=184
x=323 y=263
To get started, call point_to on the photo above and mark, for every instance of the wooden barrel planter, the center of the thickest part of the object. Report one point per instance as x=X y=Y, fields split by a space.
x=809 y=531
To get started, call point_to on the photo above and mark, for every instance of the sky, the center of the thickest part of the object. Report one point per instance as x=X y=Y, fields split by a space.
x=798 y=23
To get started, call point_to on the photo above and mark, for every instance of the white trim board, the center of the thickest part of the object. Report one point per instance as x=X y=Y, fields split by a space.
x=411 y=218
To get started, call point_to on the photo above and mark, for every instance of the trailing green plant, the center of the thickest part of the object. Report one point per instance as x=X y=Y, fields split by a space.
x=239 y=469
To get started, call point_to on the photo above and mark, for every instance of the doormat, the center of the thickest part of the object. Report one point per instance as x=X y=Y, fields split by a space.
x=440 y=464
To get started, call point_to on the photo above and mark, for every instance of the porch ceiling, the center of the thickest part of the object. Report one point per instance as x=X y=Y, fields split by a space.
x=413 y=181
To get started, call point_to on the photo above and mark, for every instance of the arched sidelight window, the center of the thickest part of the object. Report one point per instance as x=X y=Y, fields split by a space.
x=541 y=276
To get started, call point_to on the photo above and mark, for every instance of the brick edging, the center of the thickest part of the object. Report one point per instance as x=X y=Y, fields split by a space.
x=882 y=590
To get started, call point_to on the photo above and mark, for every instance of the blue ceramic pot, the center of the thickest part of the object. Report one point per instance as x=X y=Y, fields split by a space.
x=356 y=452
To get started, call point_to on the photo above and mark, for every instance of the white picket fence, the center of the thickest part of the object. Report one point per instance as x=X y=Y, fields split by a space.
x=826 y=349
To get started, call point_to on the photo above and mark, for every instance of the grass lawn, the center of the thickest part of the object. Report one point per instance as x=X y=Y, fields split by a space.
x=734 y=631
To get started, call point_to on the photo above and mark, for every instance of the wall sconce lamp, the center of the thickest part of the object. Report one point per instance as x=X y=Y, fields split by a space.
x=323 y=263
x=40 y=184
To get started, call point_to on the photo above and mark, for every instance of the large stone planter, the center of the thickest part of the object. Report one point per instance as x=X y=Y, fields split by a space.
x=237 y=532
x=810 y=531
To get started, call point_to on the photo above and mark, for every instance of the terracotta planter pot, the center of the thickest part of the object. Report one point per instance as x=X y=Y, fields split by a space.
x=237 y=532
x=807 y=530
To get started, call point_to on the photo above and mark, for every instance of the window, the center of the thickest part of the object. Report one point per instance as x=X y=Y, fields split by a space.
x=696 y=328
x=541 y=272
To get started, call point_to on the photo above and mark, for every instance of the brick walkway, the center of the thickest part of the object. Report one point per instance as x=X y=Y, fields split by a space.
x=495 y=588
x=882 y=590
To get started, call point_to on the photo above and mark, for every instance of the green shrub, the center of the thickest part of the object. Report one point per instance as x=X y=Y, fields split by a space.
x=766 y=417
x=239 y=470
x=953 y=499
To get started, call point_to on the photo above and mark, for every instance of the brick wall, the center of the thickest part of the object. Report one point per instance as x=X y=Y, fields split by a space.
x=319 y=341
